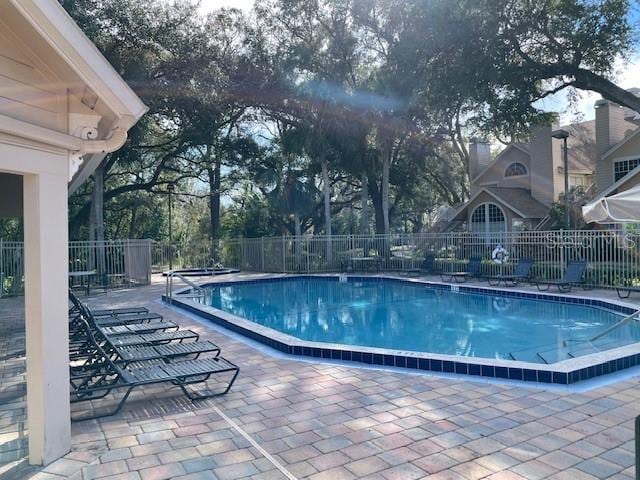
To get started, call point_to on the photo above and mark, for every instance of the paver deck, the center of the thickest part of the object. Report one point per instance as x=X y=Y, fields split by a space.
x=286 y=418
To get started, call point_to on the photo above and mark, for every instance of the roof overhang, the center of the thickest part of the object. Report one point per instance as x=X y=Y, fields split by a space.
x=614 y=186
x=499 y=156
x=620 y=144
x=495 y=197
x=60 y=32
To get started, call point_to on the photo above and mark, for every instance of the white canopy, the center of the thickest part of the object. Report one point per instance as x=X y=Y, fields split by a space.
x=620 y=208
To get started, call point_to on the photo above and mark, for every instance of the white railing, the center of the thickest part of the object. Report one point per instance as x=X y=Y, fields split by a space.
x=115 y=262
x=613 y=255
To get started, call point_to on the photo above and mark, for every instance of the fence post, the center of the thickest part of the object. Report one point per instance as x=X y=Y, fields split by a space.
x=1 y=268
x=284 y=258
x=243 y=260
x=262 y=253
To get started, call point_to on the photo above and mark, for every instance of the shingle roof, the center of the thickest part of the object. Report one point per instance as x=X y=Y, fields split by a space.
x=521 y=200
x=582 y=146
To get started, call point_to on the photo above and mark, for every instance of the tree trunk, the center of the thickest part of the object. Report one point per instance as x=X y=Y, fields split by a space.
x=386 y=160
x=132 y=223
x=326 y=189
x=214 y=205
x=297 y=224
x=98 y=207
x=364 y=199
x=376 y=200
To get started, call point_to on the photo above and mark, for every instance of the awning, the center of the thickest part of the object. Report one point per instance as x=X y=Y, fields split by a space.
x=620 y=208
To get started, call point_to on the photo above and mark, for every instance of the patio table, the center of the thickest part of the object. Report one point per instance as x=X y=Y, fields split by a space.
x=365 y=264
x=83 y=275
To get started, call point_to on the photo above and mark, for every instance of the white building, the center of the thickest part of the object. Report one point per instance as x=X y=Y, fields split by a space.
x=62 y=108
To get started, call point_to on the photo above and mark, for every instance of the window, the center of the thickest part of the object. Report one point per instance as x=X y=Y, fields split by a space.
x=577 y=181
x=516 y=169
x=518 y=225
x=622 y=167
x=488 y=219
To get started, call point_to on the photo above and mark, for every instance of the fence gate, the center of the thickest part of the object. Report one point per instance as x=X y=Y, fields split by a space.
x=137 y=261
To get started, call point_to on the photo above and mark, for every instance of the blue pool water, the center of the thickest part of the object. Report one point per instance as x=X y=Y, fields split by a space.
x=413 y=317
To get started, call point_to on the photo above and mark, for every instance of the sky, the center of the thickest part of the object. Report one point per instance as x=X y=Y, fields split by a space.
x=208 y=5
x=627 y=76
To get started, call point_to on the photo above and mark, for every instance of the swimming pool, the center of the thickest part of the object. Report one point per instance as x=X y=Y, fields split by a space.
x=438 y=327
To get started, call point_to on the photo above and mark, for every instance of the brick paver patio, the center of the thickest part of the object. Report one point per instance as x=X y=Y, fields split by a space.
x=286 y=418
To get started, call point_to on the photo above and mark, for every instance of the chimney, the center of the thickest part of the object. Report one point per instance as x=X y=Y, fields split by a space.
x=610 y=129
x=541 y=169
x=479 y=156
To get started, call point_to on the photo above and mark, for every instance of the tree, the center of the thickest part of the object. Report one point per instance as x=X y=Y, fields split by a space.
x=495 y=58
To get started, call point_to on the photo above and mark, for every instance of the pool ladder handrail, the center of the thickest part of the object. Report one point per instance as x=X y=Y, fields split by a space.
x=198 y=290
x=589 y=341
x=625 y=320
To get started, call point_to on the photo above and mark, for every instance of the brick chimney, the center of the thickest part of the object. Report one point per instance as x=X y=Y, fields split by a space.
x=479 y=156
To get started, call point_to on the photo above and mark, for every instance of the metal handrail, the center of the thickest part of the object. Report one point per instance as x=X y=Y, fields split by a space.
x=169 y=285
x=614 y=326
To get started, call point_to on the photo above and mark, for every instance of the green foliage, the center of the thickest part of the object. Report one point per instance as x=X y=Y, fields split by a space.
x=245 y=109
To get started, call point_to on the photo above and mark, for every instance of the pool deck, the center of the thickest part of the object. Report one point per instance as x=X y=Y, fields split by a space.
x=287 y=418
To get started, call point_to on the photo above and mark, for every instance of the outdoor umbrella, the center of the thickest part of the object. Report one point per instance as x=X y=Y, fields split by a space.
x=620 y=208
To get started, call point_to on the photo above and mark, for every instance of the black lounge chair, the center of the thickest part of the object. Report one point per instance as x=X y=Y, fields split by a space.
x=118 y=311
x=154 y=338
x=427 y=267
x=126 y=347
x=572 y=276
x=625 y=291
x=117 y=316
x=103 y=376
x=520 y=274
x=472 y=271
x=122 y=325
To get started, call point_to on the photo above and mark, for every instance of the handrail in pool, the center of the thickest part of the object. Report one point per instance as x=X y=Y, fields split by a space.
x=169 y=285
x=614 y=326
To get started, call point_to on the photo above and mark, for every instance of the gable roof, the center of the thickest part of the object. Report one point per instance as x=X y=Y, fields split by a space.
x=523 y=147
x=80 y=55
x=519 y=200
x=614 y=186
x=620 y=144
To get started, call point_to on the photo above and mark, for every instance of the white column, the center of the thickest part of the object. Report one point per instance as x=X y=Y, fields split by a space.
x=47 y=341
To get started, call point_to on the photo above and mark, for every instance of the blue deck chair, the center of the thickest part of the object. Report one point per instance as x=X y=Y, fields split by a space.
x=472 y=271
x=573 y=275
x=520 y=274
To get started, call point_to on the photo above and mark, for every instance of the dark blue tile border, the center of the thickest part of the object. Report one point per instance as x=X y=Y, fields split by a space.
x=430 y=364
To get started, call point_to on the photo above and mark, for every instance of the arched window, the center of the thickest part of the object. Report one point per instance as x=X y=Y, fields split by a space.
x=516 y=169
x=488 y=219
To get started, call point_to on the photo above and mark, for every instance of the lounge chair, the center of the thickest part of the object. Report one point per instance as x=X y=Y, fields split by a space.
x=132 y=337
x=521 y=273
x=118 y=311
x=117 y=316
x=572 y=276
x=104 y=376
x=472 y=271
x=427 y=267
x=625 y=291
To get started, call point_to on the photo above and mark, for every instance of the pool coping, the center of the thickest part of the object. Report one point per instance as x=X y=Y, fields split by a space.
x=565 y=372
